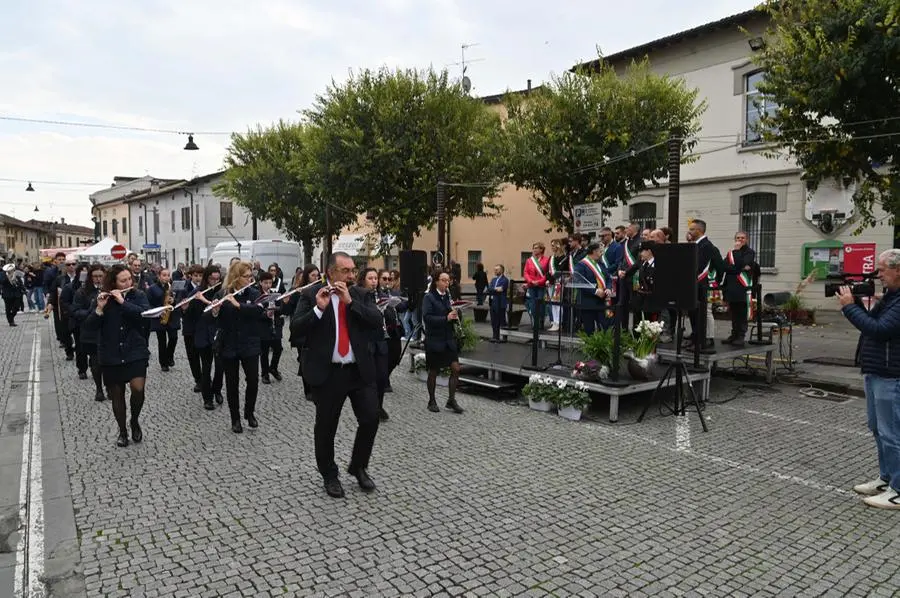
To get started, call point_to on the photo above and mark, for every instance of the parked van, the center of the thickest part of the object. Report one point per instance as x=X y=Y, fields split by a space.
x=287 y=254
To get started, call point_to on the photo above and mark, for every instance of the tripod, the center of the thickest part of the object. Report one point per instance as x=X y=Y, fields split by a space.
x=679 y=370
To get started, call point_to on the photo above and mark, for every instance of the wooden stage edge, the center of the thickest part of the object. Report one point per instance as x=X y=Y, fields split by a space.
x=495 y=368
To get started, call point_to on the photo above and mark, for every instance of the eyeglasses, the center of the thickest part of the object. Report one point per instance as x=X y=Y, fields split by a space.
x=347 y=270
x=385 y=278
x=248 y=275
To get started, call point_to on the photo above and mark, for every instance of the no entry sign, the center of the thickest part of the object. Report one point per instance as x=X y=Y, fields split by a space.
x=118 y=252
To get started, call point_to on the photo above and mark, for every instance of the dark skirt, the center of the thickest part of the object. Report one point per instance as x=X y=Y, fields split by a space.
x=122 y=374
x=435 y=360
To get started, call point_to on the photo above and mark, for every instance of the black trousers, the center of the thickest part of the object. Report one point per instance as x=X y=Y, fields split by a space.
x=65 y=336
x=81 y=356
x=57 y=325
x=12 y=305
x=167 y=340
x=329 y=398
x=702 y=298
x=90 y=350
x=270 y=356
x=382 y=371
x=210 y=382
x=250 y=365
x=193 y=357
x=498 y=319
x=738 y=318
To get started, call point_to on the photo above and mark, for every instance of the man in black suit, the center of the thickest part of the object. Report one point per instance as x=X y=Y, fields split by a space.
x=738 y=284
x=710 y=267
x=337 y=322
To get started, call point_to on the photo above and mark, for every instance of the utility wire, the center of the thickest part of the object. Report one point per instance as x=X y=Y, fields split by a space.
x=36 y=182
x=67 y=123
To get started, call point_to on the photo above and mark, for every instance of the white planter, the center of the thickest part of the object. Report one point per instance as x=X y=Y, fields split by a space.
x=441 y=380
x=540 y=405
x=571 y=413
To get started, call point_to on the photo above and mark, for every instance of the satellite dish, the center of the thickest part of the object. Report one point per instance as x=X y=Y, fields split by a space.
x=466 y=84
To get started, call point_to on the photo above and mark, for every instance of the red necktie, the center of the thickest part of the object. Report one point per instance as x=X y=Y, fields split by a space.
x=343 y=333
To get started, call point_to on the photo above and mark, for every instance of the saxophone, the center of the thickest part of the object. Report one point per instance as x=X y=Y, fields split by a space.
x=167 y=300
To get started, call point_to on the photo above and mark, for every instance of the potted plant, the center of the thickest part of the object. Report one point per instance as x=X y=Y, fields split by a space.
x=590 y=371
x=598 y=346
x=640 y=349
x=571 y=399
x=419 y=366
x=538 y=391
x=467 y=337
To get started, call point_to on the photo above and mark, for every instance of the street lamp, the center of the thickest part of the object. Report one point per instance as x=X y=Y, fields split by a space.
x=190 y=145
x=29 y=187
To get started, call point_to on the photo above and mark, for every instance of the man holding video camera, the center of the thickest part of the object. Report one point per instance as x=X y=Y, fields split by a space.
x=879 y=358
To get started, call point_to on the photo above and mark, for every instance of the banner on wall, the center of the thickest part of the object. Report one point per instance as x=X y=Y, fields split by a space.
x=859 y=258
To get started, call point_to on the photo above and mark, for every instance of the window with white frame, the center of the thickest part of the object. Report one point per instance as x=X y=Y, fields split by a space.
x=173 y=221
x=757 y=217
x=140 y=225
x=756 y=106
x=643 y=213
x=186 y=218
x=474 y=258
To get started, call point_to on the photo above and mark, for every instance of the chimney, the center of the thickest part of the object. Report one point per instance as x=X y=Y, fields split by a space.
x=154 y=186
x=529 y=85
x=62 y=220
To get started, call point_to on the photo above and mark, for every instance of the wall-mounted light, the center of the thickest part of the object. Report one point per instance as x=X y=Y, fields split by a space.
x=756 y=43
x=190 y=145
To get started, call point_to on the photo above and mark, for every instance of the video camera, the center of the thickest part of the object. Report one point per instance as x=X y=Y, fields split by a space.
x=861 y=285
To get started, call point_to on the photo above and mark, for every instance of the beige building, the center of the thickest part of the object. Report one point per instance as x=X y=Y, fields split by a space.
x=24 y=240
x=732 y=185
x=110 y=210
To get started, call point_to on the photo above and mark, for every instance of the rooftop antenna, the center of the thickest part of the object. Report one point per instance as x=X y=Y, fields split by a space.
x=465 y=81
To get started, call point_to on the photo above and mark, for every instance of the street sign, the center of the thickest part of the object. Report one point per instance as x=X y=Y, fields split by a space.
x=151 y=246
x=118 y=252
x=588 y=218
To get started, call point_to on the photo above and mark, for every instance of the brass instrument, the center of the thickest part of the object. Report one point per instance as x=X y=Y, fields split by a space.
x=167 y=300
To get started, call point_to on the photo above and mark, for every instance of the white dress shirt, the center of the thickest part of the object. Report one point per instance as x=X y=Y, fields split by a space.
x=335 y=356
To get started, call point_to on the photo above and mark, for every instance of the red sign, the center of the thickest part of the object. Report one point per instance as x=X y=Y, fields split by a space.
x=859 y=258
x=118 y=251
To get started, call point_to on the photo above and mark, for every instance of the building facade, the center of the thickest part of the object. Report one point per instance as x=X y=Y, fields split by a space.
x=24 y=240
x=182 y=221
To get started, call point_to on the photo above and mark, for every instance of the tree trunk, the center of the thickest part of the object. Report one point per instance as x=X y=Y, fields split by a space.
x=307 y=243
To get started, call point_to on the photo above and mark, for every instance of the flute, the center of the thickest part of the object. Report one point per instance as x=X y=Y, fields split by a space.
x=218 y=302
x=187 y=300
x=108 y=293
x=298 y=290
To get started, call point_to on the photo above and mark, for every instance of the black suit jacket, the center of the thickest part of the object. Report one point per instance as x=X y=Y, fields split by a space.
x=363 y=318
x=708 y=255
x=735 y=292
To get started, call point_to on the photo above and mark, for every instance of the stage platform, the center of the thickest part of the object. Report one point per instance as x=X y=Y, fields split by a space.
x=514 y=359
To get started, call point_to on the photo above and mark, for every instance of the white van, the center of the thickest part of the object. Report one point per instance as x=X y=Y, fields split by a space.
x=287 y=254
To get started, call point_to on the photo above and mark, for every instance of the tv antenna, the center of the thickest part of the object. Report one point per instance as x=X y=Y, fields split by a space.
x=466 y=82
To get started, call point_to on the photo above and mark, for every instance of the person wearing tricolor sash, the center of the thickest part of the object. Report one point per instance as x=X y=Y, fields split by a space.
x=558 y=266
x=575 y=253
x=536 y=270
x=593 y=306
x=710 y=266
x=612 y=252
x=738 y=286
x=630 y=257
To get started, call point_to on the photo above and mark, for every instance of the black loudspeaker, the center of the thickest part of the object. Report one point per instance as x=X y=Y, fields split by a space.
x=413 y=272
x=675 y=275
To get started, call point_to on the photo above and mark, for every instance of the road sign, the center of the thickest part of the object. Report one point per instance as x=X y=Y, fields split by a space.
x=588 y=218
x=151 y=246
x=118 y=251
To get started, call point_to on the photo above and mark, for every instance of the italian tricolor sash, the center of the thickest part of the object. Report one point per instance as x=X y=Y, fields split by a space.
x=537 y=264
x=704 y=274
x=604 y=260
x=629 y=259
x=743 y=278
x=598 y=274
x=553 y=268
x=571 y=263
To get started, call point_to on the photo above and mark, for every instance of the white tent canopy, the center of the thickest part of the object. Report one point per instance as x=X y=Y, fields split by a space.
x=99 y=251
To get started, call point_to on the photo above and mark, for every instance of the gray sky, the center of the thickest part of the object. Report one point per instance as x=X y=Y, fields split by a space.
x=224 y=65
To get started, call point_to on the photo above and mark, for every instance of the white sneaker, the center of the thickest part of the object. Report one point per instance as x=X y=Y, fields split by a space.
x=889 y=499
x=873 y=488
x=554 y=327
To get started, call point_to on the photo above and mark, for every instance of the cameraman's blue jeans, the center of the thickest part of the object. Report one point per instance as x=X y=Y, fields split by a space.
x=883 y=407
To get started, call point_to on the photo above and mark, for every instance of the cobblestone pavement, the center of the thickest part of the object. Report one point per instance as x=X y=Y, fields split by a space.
x=500 y=501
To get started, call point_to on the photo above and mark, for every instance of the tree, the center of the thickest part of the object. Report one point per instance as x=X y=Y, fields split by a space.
x=265 y=175
x=383 y=140
x=596 y=136
x=833 y=72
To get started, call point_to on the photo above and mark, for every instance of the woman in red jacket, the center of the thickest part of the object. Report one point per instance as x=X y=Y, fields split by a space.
x=536 y=270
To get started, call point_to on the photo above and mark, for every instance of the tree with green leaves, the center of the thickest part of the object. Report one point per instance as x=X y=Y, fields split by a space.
x=266 y=174
x=381 y=142
x=833 y=72
x=596 y=136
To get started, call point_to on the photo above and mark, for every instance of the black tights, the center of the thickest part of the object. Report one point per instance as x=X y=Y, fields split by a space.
x=451 y=387
x=116 y=394
x=95 y=371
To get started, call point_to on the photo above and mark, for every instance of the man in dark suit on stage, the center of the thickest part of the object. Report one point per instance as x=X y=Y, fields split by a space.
x=337 y=322
x=710 y=267
x=738 y=284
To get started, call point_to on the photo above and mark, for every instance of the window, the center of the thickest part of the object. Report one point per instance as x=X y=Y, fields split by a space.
x=115 y=227
x=756 y=106
x=140 y=225
x=758 y=221
x=156 y=221
x=186 y=218
x=643 y=214
x=187 y=257
x=173 y=221
x=226 y=214
x=105 y=233
x=474 y=260
x=124 y=226
x=196 y=215
x=526 y=255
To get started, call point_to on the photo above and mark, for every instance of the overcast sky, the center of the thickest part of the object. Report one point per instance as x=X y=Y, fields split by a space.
x=224 y=65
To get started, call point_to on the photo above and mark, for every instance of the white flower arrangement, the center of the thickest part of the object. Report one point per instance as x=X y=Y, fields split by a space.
x=644 y=340
x=420 y=365
x=559 y=391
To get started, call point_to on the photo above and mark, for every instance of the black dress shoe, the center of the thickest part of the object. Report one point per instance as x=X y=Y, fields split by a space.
x=136 y=433
x=333 y=488
x=13 y=324
x=738 y=343
x=172 y=363
x=164 y=368
x=382 y=414
x=219 y=399
x=237 y=428
x=729 y=340
x=277 y=375
x=122 y=441
x=82 y=375
x=433 y=406
x=362 y=476
x=251 y=421
x=99 y=396
x=70 y=356
x=265 y=379
x=197 y=388
x=209 y=405
x=454 y=406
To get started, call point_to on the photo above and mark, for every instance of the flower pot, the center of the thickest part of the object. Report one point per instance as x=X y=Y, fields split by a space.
x=540 y=405
x=641 y=369
x=570 y=413
x=515 y=318
x=481 y=314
